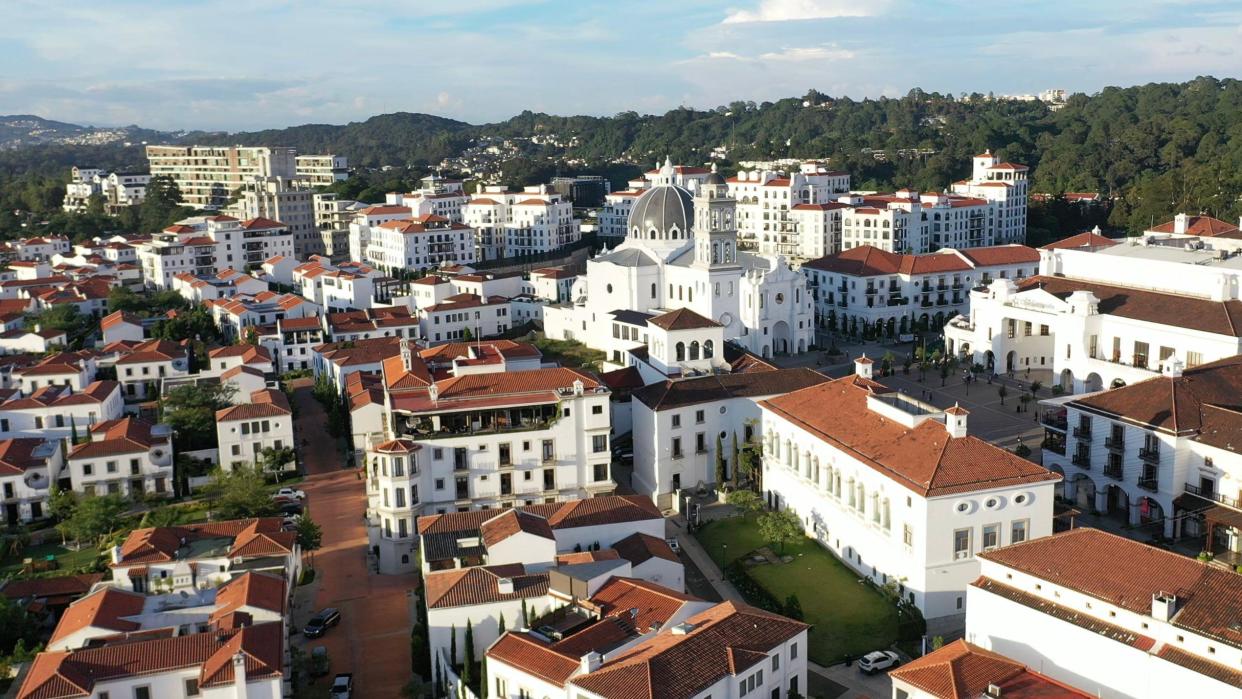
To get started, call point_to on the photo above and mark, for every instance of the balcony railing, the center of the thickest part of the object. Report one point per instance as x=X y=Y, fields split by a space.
x=1056 y=446
x=1054 y=421
x=1083 y=433
x=1214 y=496
x=1081 y=460
x=1152 y=484
x=1150 y=455
x=1115 y=443
x=1113 y=471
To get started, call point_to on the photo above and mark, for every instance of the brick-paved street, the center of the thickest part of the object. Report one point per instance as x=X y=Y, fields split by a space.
x=373 y=640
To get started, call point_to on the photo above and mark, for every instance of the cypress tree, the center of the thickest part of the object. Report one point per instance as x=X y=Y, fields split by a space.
x=525 y=615
x=483 y=678
x=500 y=624
x=453 y=646
x=467 y=672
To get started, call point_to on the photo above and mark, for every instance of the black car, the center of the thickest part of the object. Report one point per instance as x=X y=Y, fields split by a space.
x=290 y=509
x=321 y=622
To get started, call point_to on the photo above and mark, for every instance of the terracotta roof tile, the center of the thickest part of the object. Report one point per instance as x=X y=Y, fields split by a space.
x=505 y=525
x=961 y=670
x=481 y=585
x=682 y=319
x=1192 y=313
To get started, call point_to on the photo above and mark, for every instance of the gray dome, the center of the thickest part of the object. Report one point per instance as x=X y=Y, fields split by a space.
x=666 y=209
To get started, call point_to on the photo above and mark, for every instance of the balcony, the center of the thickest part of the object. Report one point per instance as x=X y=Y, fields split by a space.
x=1150 y=455
x=1213 y=496
x=1083 y=433
x=871 y=291
x=1152 y=484
x=1113 y=470
x=1081 y=460
x=898 y=301
x=1054 y=443
x=1055 y=420
x=1115 y=443
x=466 y=424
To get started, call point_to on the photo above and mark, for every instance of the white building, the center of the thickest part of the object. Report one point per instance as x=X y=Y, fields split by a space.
x=691 y=650
x=480 y=440
x=897 y=490
x=681 y=252
x=56 y=412
x=142 y=369
x=960 y=669
x=1101 y=314
x=28 y=467
x=1006 y=187
x=766 y=202
x=244 y=431
x=870 y=288
x=321 y=170
x=510 y=224
x=423 y=242
x=288 y=201
x=126 y=456
x=1159 y=454
x=1113 y=617
x=204 y=246
x=676 y=425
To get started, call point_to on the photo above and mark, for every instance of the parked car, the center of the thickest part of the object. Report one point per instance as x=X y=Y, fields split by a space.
x=290 y=509
x=875 y=661
x=289 y=493
x=290 y=522
x=321 y=622
x=342 y=686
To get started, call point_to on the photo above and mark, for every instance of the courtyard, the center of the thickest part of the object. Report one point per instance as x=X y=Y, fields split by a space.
x=848 y=616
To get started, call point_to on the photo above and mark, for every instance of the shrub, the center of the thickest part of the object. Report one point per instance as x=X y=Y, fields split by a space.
x=754 y=593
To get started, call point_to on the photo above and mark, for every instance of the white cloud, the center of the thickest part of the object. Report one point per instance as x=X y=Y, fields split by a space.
x=814 y=53
x=797 y=10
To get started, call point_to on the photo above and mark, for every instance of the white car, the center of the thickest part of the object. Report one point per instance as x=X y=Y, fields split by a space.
x=287 y=493
x=875 y=661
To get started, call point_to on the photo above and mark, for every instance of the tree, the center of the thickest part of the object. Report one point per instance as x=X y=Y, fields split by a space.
x=746 y=502
x=737 y=458
x=780 y=527
x=500 y=625
x=1035 y=387
x=94 y=518
x=238 y=494
x=453 y=647
x=272 y=460
x=64 y=318
x=309 y=534
x=720 y=463
x=937 y=642
x=191 y=411
x=467 y=672
x=18 y=630
x=483 y=678
x=1003 y=393
x=525 y=615
x=793 y=608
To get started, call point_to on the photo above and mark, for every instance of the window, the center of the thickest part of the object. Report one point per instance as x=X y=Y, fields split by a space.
x=142 y=693
x=1017 y=532
x=597 y=410
x=191 y=687
x=991 y=536
x=907 y=535
x=601 y=472
x=700 y=443
x=698 y=417
x=793 y=651
x=961 y=544
x=677 y=448
x=676 y=421
x=776 y=663
x=599 y=443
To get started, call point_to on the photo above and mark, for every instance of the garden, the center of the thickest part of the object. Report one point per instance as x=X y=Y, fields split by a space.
x=848 y=616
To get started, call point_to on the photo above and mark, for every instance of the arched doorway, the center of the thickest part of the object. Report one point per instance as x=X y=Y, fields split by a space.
x=801 y=346
x=1093 y=383
x=991 y=360
x=924 y=321
x=1067 y=381
x=1117 y=503
x=940 y=321
x=1011 y=361
x=1084 y=492
x=892 y=327
x=904 y=325
x=780 y=337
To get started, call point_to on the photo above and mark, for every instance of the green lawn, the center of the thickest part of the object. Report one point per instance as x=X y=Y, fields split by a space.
x=569 y=353
x=69 y=559
x=848 y=617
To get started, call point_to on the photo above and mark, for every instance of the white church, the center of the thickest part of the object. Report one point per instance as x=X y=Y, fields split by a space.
x=680 y=251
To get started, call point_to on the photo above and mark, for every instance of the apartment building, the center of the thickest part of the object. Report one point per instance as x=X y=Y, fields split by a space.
x=58 y=412
x=142 y=369
x=423 y=242
x=332 y=218
x=1110 y=616
x=867 y=288
x=464 y=316
x=289 y=201
x=208 y=175
x=28 y=467
x=117 y=189
x=480 y=440
x=321 y=170
x=897 y=489
x=1101 y=314
x=1006 y=187
x=244 y=431
x=1158 y=454
x=766 y=200
x=510 y=224
x=204 y=246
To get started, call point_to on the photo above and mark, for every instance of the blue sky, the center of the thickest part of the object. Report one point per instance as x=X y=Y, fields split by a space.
x=225 y=64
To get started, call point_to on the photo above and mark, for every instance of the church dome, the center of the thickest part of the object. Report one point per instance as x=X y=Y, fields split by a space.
x=664 y=212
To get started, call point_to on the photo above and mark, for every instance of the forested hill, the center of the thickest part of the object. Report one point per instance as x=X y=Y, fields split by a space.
x=1157 y=148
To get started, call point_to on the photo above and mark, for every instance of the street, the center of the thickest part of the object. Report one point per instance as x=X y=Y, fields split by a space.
x=373 y=639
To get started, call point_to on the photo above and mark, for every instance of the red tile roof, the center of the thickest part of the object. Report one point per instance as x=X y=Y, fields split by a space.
x=1128 y=574
x=638 y=548
x=105 y=609
x=127 y=435
x=924 y=459
x=160 y=544
x=250 y=589
x=1192 y=313
x=962 y=670
x=511 y=522
x=1205 y=226
x=682 y=319
x=1085 y=240
x=604 y=510
x=481 y=585
x=58 y=587
x=263 y=403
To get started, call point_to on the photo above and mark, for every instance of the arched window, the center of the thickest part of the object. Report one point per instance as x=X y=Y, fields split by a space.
x=690 y=294
x=708 y=349
x=681 y=351
x=694 y=349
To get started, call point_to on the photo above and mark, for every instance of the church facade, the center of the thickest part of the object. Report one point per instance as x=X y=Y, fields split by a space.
x=681 y=251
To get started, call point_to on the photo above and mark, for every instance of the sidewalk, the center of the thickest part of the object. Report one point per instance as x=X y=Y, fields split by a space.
x=854 y=684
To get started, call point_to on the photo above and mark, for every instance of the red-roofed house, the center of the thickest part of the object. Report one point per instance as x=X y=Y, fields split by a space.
x=126 y=456
x=897 y=489
x=28 y=467
x=244 y=431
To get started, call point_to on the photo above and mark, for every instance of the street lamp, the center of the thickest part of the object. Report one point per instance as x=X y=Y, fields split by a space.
x=724 y=555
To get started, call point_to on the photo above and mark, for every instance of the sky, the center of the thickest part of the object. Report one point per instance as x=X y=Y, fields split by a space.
x=242 y=65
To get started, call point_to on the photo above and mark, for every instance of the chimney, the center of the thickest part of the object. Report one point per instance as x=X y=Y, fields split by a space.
x=591 y=662
x=504 y=586
x=1163 y=606
x=1173 y=368
x=955 y=421
x=862 y=367
x=239 y=675
x=994 y=690
x=1180 y=223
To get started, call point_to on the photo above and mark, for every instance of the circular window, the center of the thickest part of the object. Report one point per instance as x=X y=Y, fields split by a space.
x=962 y=506
x=991 y=503
x=780 y=298
x=723 y=410
x=1019 y=499
x=726 y=319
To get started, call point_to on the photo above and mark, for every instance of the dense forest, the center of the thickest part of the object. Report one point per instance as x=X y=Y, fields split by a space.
x=1153 y=149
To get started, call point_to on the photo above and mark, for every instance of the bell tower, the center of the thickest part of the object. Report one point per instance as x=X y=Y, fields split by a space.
x=715 y=229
